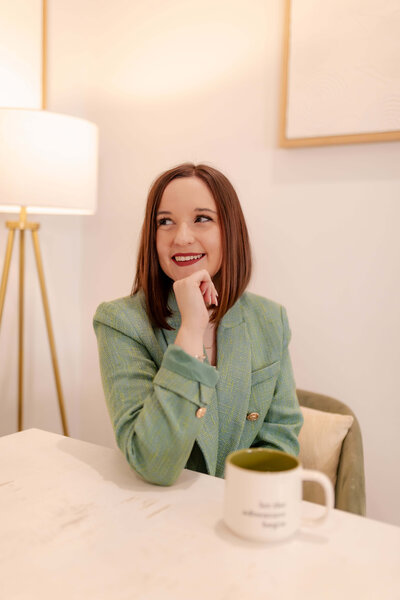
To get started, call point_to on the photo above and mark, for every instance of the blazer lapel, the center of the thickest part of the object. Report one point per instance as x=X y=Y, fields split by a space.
x=228 y=414
x=223 y=423
x=174 y=321
x=209 y=423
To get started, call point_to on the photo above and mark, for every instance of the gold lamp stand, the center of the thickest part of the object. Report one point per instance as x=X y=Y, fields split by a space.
x=22 y=225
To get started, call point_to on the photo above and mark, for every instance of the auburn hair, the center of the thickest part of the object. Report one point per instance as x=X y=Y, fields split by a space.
x=234 y=274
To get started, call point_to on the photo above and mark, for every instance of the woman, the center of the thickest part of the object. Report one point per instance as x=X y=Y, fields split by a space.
x=194 y=367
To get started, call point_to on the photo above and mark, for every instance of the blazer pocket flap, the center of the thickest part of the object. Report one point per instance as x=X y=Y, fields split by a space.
x=265 y=373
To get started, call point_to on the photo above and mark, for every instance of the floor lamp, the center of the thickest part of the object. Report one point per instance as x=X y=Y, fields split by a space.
x=48 y=165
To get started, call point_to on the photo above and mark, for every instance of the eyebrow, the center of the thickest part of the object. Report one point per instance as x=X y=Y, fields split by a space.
x=206 y=210
x=168 y=212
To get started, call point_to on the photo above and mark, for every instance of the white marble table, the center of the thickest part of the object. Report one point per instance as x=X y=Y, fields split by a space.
x=77 y=523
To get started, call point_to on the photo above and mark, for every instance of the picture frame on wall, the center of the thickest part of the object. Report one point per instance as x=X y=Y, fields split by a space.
x=341 y=72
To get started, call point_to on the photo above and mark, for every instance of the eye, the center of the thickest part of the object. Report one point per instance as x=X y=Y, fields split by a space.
x=164 y=221
x=202 y=219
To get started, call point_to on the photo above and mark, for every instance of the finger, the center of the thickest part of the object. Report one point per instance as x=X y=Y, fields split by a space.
x=203 y=287
x=208 y=293
x=214 y=295
x=200 y=277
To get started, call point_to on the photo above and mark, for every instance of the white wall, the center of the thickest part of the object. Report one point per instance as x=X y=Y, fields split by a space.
x=173 y=81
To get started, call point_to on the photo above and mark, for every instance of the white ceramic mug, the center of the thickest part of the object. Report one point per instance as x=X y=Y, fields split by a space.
x=263 y=493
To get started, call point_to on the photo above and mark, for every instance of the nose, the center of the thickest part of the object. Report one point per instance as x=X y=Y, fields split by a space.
x=184 y=235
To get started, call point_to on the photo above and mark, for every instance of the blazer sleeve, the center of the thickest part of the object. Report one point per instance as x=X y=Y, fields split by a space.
x=153 y=410
x=284 y=418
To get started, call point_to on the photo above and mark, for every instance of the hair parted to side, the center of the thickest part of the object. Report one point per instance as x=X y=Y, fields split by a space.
x=234 y=275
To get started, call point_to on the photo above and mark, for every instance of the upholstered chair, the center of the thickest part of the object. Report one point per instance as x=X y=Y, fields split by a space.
x=330 y=441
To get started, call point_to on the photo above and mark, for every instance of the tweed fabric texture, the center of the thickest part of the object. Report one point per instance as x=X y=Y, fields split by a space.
x=154 y=388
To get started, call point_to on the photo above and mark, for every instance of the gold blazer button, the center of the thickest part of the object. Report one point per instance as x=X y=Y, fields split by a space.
x=200 y=412
x=252 y=416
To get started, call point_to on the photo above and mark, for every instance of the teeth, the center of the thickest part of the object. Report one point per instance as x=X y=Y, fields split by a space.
x=185 y=258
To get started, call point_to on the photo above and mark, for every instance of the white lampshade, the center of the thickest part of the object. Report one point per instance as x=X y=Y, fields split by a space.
x=48 y=163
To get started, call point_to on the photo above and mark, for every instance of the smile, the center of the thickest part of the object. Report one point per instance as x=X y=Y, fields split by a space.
x=184 y=260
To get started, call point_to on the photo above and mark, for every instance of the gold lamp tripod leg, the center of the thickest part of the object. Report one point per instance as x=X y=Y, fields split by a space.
x=6 y=268
x=39 y=265
x=21 y=226
x=21 y=328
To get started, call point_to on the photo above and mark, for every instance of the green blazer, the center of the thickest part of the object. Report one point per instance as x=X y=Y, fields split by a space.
x=154 y=389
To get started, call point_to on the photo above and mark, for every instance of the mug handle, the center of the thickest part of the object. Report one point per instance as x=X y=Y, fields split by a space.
x=325 y=482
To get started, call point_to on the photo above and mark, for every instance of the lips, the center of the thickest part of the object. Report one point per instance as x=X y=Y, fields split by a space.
x=185 y=259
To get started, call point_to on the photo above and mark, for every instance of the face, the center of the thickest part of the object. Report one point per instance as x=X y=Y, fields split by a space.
x=188 y=234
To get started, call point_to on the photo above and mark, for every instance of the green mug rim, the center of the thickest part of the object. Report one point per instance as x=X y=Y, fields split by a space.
x=269 y=451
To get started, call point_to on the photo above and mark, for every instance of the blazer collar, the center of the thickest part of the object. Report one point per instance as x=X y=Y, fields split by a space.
x=233 y=317
x=173 y=321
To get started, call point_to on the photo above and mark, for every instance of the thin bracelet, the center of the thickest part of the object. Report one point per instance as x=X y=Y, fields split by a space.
x=201 y=357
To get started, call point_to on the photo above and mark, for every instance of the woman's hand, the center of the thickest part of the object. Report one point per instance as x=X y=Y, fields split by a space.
x=193 y=294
